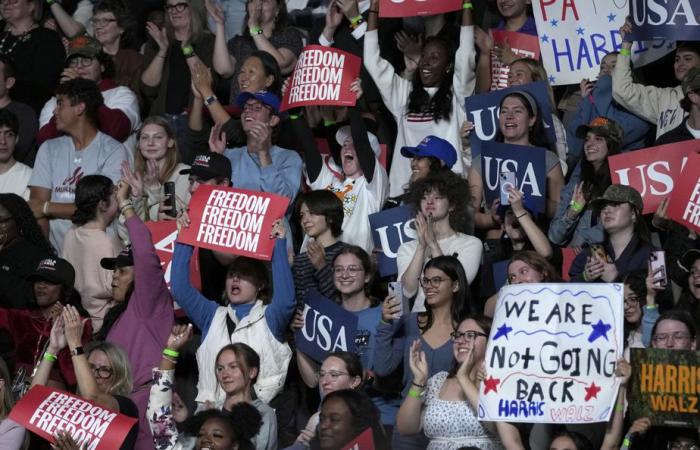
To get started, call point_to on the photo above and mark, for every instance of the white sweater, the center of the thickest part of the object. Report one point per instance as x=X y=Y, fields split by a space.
x=413 y=128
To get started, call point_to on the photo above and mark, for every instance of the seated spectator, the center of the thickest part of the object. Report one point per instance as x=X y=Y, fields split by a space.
x=102 y=369
x=22 y=246
x=320 y=216
x=25 y=150
x=360 y=182
x=447 y=300
x=12 y=434
x=597 y=101
x=118 y=116
x=14 y=175
x=61 y=162
x=454 y=394
x=626 y=245
x=339 y=370
x=156 y=163
x=143 y=313
x=246 y=318
x=29 y=329
x=430 y=104
x=265 y=29
x=657 y=105
x=37 y=52
x=690 y=127
x=574 y=224
x=439 y=201
x=88 y=242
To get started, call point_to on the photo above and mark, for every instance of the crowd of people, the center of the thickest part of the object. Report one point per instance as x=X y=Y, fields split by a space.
x=114 y=112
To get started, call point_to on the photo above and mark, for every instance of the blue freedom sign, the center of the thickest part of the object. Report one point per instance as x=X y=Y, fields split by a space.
x=529 y=166
x=677 y=20
x=327 y=328
x=390 y=229
x=482 y=110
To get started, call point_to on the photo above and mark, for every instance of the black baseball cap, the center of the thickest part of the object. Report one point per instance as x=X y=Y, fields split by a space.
x=209 y=165
x=56 y=270
x=123 y=259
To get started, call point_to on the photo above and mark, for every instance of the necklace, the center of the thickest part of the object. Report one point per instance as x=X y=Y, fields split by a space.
x=24 y=37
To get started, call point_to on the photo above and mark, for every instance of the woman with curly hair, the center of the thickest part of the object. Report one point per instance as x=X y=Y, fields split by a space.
x=22 y=246
x=441 y=213
x=88 y=242
x=433 y=101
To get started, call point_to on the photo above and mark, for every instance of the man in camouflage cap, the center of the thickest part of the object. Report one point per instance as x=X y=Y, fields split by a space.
x=690 y=128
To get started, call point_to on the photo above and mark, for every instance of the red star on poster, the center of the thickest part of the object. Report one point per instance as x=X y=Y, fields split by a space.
x=592 y=391
x=491 y=384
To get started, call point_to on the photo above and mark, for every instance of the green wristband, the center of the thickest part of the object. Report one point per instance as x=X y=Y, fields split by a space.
x=170 y=352
x=328 y=123
x=415 y=394
x=467 y=5
x=255 y=30
x=625 y=52
x=357 y=19
x=50 y=357
x=576 y=206
x=188 y=51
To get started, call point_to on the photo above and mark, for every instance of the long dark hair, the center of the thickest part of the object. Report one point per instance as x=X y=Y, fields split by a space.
x=461 y=300
x=636 y=282
x=484 y=322
x=440 y=104
x=27 y=226
x=89 y=192
x=595 y=182
x=270 y=67
x=580 y=441
x=537 y=135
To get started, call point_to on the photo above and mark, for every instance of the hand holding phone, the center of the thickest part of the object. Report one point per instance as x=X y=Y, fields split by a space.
x=506 y=180
x=169 y=191
x=657 y=268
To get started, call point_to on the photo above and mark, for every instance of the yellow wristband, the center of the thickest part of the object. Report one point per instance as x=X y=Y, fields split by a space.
x=625 y=52
x=467 y=5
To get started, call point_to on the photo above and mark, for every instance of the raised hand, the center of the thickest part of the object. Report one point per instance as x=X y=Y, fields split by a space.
x=159 y=36
x=179 y=336
x=132 y=179
x=217 y=139
x=418 y=363
x=411 y=49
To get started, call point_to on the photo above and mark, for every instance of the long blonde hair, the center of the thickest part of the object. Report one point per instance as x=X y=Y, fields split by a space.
x=538 y=73
x=198 y=22
x=122 y=381
x=171 y=156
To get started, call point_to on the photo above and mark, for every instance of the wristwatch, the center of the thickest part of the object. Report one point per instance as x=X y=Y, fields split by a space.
x=210 y=100
x=77 y=351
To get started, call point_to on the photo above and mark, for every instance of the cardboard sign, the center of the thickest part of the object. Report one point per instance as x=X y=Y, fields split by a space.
x=46 y=411
x=664 y=386
x=322 y=76
x=665 y=19
x=684 y=206
x=523 y=46
x=327 y=328
x=407 y=8
x=575 y=35
x=552 y=353
x=529 y=166
x=390 y=229
x=651 y=171
x=365 y=441
x=164 y=236
x=236 y=221
x=483 y=111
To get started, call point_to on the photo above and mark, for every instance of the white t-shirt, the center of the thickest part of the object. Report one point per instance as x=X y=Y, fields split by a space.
x=466 y=248
x=59 y=167
x=15 y=180
x=360 y=199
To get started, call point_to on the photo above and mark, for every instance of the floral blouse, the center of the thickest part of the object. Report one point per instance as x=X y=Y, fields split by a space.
x=160 y=413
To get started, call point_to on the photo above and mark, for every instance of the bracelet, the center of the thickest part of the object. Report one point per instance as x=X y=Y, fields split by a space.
x=354 y=26
x=255 y=30
x=373 y=11
x=415 y=394
x=585 y=277
x=626 y=441
x=576 y=206
x=328 y=123
x=467 y=5
x=174 y=361
x=50 y=357
x=625 y=52
x=652 y=307
x=383 y=322
x=160 y=56
x=619 y=407
x=356 y=20
x=170 y=352
x=293 y=116
x=45 y=209
x=188 y=51
x=124 y=206
x=422 y=386
x=521 y=215
x=50 y=2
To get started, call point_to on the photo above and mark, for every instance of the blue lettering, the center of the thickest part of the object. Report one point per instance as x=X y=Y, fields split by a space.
x=583 y=53
x=520 y=408
x=566 y=53
x=598 y=44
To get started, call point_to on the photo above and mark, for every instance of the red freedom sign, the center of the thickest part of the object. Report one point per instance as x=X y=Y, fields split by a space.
x=684 y=206
x=46 y=411
x=235 y=221
x=406 y=8
x=652 y=171
x=322 y=76
x=365 y=441
x=523 y=46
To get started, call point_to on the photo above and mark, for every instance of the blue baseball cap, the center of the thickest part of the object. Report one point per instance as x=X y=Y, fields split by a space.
x=435 y=147
x=265 y=97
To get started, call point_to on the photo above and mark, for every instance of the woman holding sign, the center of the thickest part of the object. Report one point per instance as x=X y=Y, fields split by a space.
x=445 y=404
x=433 y=102
x=249 y=316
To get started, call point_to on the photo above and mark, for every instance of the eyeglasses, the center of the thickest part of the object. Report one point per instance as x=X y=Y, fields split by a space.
x=334 y=374
x=678 y=336
x=81 y=61
x=682 y=446
x=101 y=22
x=468 y=335
x=631 y=300
x=431 y=282
x=352 y=270
x=101 y=371
x=177 y=7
